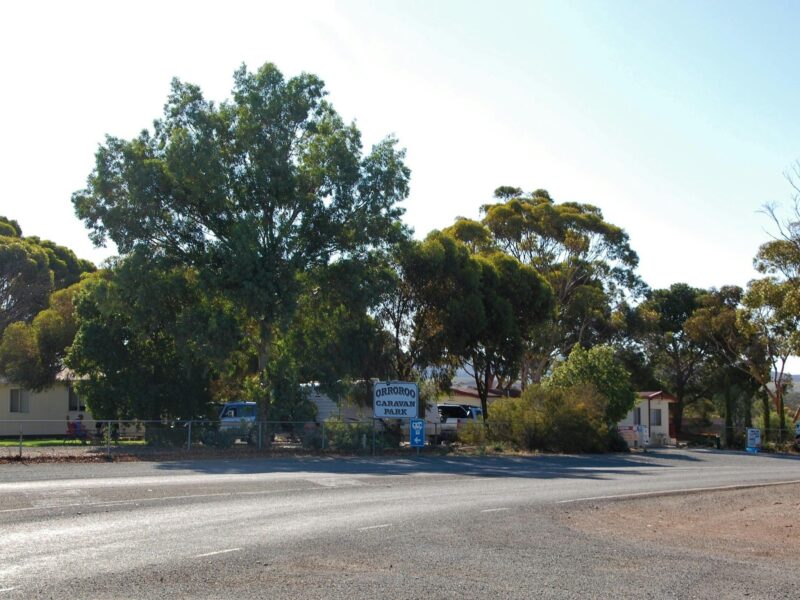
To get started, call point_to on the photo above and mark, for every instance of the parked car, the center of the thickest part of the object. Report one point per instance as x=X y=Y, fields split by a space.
x=239 y=417
x=453 y=416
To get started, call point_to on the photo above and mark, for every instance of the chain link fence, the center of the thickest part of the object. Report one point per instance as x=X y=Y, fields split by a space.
x=97 y=437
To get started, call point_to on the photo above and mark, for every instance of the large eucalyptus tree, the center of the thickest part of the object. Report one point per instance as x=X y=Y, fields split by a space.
x=251 y=193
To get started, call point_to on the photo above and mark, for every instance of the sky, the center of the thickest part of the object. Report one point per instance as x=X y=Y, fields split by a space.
x=678 y=119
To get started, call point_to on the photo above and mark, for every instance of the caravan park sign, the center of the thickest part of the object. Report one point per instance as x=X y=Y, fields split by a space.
x=395 y=400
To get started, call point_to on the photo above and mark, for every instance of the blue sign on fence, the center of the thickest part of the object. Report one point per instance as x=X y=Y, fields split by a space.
x=417 y=432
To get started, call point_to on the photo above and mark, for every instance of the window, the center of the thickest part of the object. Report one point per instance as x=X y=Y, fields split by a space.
x=75 y=402
x=19 y=401
x=637 y=415
x=655 y=417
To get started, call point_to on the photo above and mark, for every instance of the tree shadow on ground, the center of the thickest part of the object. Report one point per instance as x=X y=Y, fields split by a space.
x=537 y=467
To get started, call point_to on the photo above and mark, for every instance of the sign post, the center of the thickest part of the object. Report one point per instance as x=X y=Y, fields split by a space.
x=417 y=433
x=753 y=440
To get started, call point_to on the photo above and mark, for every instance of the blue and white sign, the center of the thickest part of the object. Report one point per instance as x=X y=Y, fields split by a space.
x=417 y=433
x=753 y=439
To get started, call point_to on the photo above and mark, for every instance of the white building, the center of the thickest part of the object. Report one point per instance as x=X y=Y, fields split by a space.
x=40 y=413
x=651 y=412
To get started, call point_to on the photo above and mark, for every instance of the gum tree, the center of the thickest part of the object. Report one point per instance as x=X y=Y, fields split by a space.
x=587 y=261
x=250 y=193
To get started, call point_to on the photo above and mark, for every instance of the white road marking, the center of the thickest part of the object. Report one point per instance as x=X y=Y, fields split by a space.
x=6 y=589
x=217 y=552
x=679 y=491
x=375 y=527
x=488 y=510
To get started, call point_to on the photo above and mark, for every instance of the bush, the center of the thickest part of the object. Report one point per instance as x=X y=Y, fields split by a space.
x=215 y=438
x=163 y=435
x=340 y=435
x=617 y=443
x=552 y=419
x=473 y=434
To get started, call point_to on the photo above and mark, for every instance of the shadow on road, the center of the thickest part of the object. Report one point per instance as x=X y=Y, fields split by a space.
x=538 y=467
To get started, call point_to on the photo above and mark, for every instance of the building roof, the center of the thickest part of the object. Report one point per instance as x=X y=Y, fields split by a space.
x=659 y=395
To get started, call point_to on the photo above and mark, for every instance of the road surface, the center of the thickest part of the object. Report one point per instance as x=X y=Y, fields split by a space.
x=441 y=527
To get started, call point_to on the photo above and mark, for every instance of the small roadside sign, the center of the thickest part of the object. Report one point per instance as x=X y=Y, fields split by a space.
x=417 y=433
x=753 y=439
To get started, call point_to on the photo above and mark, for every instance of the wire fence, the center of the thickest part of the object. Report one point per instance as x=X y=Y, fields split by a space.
x=31 y=437
x=59 y=437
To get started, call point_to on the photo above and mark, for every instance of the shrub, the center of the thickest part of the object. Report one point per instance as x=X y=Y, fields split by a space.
x=162 y=435
x=340 y=435
x=215 y=438
x=550 y=419
x=473 y=434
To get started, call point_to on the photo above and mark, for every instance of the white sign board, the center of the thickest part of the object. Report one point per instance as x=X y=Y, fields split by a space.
x=644 y=434
x=753 y=438
x=395 y=400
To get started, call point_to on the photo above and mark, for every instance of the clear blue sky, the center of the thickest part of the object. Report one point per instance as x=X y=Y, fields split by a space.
x=678 y=119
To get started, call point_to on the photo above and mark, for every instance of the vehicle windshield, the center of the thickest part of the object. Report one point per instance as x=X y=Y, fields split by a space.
x=453 y=412
x=239 y=412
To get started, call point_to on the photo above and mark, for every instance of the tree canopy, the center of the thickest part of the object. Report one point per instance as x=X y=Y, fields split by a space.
x=30 y=270
x=598 y=367
x=249 y=193
x=587 y=261
x=678 y=358
x=151 y=341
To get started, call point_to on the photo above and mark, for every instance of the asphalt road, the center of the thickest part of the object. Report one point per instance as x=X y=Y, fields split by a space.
x=365 y=528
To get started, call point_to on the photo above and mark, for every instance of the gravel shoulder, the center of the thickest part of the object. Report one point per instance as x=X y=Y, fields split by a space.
x=759 y=523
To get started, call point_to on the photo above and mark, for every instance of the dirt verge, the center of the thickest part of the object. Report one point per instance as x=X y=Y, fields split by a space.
x=759 y=522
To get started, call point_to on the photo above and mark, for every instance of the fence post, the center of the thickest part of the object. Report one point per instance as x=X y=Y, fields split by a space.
x=189 y=439
x=108 y=439
x=20 y=441
x=323 y=435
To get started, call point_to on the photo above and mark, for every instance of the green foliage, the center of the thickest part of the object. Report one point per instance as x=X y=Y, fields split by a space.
x=515 y=299
x=548 y=419
x=352 y=437
x=250 y=194
x=288 y=400
x=151 y=339
x=25 y=280
x=679 y=359
x=20 y=361
x=428 y=305
x=587 y=261
x=214 y=438
x=9 y=227
x=599 y=368
x=162 y=436
x=30 y=270
x=333 y=336
x=33 y=354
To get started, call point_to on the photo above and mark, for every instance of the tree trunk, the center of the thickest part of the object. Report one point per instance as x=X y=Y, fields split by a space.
x=678 y=416
x=748 y=412
x=264 y=349
x=728 y=417
x=765 y=407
